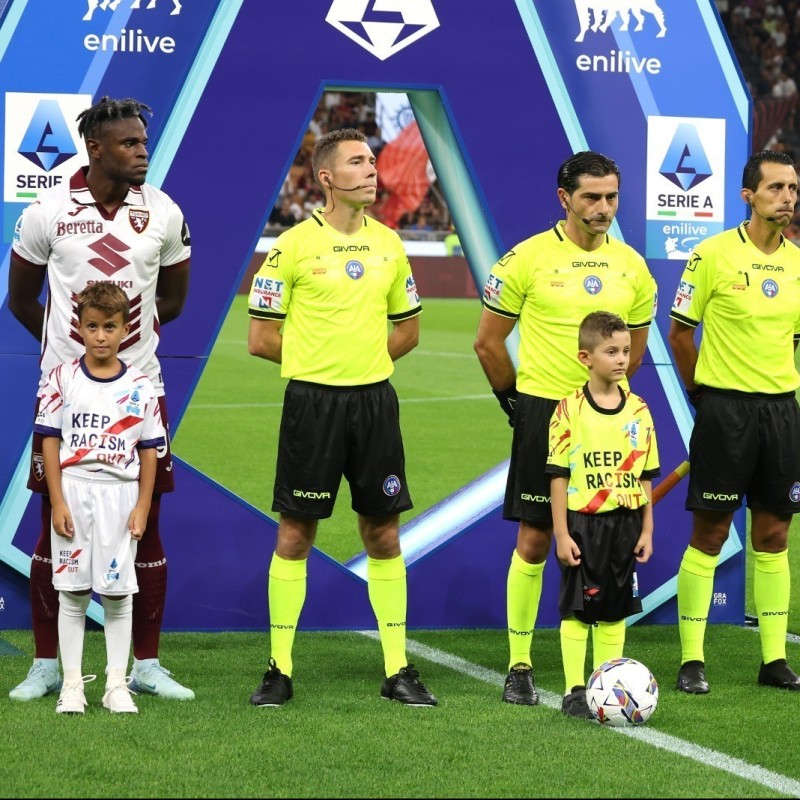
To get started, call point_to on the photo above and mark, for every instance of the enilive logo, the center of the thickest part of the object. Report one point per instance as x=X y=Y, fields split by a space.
x=383 y=27
x=597 y=15
x=112 y=5
x=128 y=40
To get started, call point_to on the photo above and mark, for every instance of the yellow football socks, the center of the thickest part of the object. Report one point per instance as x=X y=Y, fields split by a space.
x=608 y=641
x=523 y=590
x=388 y=594
x=771 y=587
x=287 y=593
x=574 y=637
x=695 y=588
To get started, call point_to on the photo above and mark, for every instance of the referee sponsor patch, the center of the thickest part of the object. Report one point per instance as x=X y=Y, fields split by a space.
x=683 y=297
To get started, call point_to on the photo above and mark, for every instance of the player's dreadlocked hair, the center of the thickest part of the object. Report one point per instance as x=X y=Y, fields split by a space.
x=586 y=162
x=107 y=110
x=751 y=174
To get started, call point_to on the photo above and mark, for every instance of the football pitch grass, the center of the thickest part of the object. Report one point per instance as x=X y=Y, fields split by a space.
x=337 y=738
x=453 y=428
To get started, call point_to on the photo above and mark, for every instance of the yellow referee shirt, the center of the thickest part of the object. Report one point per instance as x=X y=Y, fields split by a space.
x=749 y=304
x=335 y=293
x=550 y=284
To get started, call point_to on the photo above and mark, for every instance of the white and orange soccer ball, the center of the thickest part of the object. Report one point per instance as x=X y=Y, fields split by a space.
x=622 y=692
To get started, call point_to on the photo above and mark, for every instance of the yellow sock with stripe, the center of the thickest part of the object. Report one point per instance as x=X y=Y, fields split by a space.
x=771 y=588
x=523 y=590
x=287 y=593
x=388 y=594
x=695 y=588
x=608 y=641
x=574 y=639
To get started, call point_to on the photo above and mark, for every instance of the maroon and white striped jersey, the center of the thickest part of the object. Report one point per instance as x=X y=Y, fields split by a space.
x=78 y=243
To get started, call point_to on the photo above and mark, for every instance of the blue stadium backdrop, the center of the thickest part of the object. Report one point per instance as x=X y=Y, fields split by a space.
x=503 y=92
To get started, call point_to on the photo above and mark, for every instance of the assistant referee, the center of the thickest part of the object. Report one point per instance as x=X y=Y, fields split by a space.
x=744 y=286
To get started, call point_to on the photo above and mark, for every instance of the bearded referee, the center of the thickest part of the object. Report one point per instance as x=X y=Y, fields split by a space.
x=319 y=307
x=548 y=284
x=744 y=286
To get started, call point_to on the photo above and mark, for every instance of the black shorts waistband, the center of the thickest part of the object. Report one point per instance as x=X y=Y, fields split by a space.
x=620 y=511
x=735 y=393
x=327 y=387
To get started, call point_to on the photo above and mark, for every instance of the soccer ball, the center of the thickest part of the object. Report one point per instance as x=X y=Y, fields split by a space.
x=622 y=692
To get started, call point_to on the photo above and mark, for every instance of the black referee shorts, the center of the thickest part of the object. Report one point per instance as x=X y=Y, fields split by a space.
x=528 y=486
x=332 y=431
x=745 y=445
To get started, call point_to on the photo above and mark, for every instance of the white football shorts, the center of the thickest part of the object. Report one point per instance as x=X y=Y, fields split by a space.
x=101 y=553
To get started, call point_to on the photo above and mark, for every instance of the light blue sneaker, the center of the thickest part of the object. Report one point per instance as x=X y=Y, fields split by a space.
x=149 y=677
x=43 y=679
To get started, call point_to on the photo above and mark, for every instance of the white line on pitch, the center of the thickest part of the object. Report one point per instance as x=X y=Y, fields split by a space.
x=663 y=741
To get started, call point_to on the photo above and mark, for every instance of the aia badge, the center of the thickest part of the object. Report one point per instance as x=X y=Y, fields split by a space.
x=139 y=219
x=769 y=287
x=593 y=284
x=355 y=269
x=391 y=486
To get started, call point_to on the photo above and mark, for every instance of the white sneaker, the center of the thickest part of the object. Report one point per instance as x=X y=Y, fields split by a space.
x=42 y=679
x=149 y=677
x=72 y=700
x=118 y=700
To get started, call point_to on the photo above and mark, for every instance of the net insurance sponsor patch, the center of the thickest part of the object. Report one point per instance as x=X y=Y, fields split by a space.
x=683 y=297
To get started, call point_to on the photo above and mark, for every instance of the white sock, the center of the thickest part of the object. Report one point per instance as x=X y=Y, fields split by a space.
x=119 y=619
x=71 y=629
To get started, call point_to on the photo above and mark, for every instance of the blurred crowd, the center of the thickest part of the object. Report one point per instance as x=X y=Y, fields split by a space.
x=300 y=193
x=764 y=35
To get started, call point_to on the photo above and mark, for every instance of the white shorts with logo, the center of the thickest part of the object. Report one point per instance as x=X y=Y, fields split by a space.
x=101 y=553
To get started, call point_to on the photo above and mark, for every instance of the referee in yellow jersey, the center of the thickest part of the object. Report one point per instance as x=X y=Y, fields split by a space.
x=319 y=306
x=547 y=284
x=743 y=285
